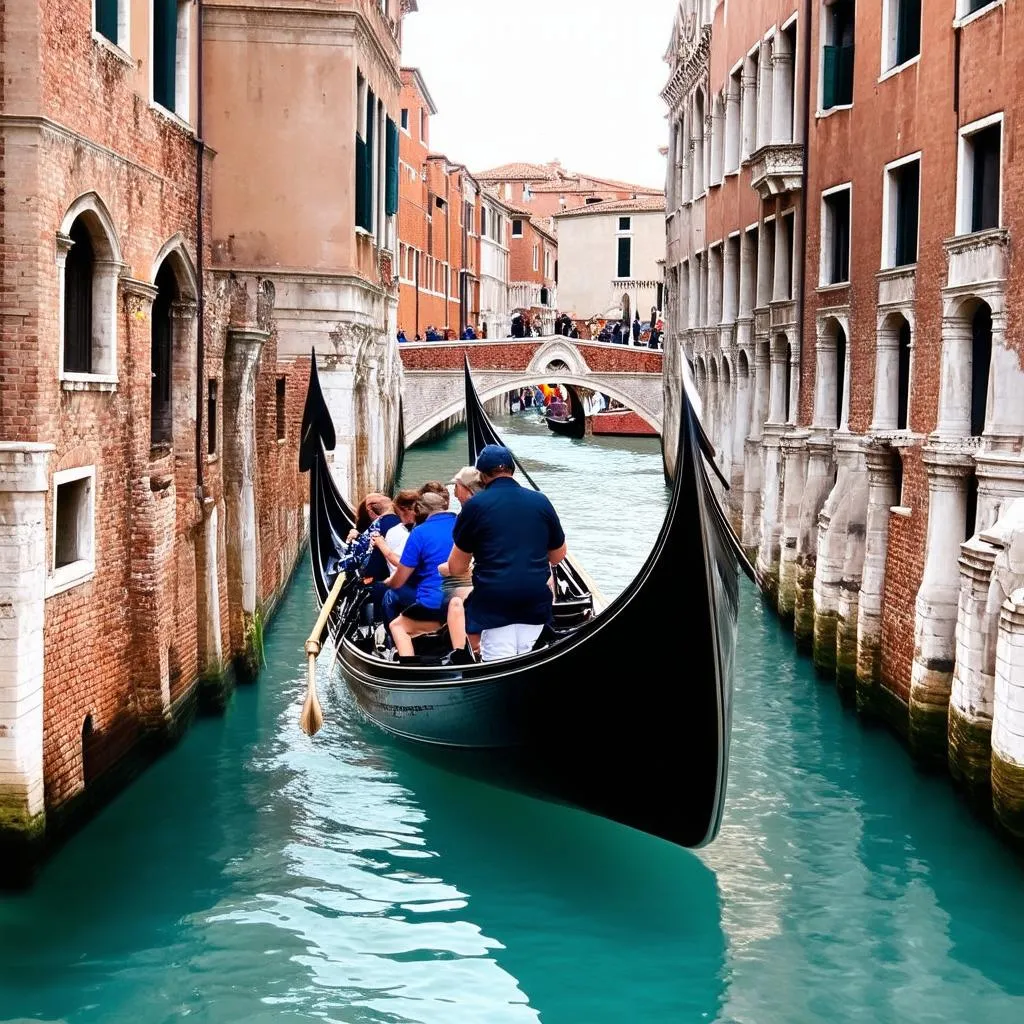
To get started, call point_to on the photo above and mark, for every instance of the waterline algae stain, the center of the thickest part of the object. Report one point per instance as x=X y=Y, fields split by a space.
x=345 y=879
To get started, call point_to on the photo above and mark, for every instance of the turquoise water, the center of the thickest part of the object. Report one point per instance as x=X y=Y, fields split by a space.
x=257 y=875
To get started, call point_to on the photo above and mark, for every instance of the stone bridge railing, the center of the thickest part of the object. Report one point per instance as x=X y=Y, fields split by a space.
x=432 y=391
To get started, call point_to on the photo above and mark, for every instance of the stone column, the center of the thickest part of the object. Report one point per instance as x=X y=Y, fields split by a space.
x=794 y=475
x=777 y=386
x=1004 y=419
x=741 y=423
x=820 y=475
x=714 y=287
x=703 y=316
x=936 y=607
x=782 y=283
x=731 y=281
x=1008 y=718
x=954 y=419
x=771 y=499
x=782 y=89
x=887 y=370
x=764 y=95
x=748 y=276
x=211 y=647
x=241 y=359
x=751 y=535
x=24 y=482
x=850 y=454
x=748 y=122
x=693 y=304
x=882 y=495
x=765 y=265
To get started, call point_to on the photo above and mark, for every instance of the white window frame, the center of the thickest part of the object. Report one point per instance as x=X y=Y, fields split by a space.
x=122 y=46
x=963 y=18
x=964 y=179
x=404 y=127
x=823 y=41
x=536 y=257
x=890 y=21
x=83 y=569
x=889 y=210
x=620 y=230
x=826 y=238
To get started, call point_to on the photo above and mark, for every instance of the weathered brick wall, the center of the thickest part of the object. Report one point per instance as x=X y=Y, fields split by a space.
x=111 y=641
x=518 y=355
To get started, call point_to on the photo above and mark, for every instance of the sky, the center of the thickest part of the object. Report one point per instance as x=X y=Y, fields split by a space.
x=539 y=80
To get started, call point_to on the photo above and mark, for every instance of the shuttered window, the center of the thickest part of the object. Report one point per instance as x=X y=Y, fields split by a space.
x=79 y=269
x=625 y=257
x=391 y=202
x=837 y=63
x=165 y=40
x=106 y=19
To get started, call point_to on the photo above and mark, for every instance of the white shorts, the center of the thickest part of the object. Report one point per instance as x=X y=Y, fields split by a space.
x=508 y=641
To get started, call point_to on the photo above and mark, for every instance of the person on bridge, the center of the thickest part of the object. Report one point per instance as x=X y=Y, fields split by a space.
x=401 y=335
x=636 y=329
x=617 y=333
x=513 y=537
x=424 y=551
x=469 y=334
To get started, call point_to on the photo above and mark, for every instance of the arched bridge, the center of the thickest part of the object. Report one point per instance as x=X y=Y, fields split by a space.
x=433 y=389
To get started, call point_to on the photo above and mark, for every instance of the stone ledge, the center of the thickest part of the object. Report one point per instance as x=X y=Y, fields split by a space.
x=83 y=383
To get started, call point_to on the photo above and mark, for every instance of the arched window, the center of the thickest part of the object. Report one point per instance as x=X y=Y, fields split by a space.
x=79 y=273
x=161 y=336
x=840 y=373
x=903 y=377
x=981 y=363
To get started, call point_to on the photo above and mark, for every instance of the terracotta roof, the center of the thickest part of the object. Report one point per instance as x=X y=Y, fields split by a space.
x=648 y=204
x=520 y=172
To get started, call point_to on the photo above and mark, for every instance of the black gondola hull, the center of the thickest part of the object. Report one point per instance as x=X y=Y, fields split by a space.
x=626 y=716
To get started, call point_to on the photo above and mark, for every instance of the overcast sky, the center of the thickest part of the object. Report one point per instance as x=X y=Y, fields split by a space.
x=538 y=80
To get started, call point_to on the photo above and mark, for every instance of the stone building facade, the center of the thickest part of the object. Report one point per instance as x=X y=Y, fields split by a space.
x=152 y=367
x=841 y=212
x=611 y=257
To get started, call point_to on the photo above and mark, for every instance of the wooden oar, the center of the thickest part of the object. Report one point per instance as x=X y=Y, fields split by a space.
x=312 y=717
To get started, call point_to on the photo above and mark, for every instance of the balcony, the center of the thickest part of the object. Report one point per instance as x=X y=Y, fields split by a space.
x=977 y=259
x=897 y=286
x=777 y=168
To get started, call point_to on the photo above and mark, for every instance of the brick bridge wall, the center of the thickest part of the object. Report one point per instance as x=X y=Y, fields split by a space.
x=516 y=356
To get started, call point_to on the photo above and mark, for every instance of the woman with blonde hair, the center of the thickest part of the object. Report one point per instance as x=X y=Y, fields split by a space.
x=455 y=589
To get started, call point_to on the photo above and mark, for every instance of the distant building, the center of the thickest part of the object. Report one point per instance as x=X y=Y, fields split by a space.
x=495 y=264
x=533 y=273
x=548 y=189
x=610 y=259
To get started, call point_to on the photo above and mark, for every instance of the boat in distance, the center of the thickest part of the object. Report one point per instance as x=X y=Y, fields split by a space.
x=625 y=713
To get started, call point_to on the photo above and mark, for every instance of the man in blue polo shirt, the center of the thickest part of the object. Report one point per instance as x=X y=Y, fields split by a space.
x=427 y=547
x=513 y=537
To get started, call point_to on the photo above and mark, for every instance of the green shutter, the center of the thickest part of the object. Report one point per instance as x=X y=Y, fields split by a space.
x=391 y=204
x=828 y=78
x=106 y=19
x=625 y=256
x=165 y=36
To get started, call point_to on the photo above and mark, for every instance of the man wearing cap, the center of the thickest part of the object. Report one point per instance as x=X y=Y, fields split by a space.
x=512 y=536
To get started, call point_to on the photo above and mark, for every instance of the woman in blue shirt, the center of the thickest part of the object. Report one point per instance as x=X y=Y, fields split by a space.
x=427 y=547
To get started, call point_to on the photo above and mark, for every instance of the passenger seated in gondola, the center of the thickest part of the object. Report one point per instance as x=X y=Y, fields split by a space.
x=465 y=638
x=356 y=556
x=392 y=543
x=513 y=536
x=424 y=551
x=558 y=410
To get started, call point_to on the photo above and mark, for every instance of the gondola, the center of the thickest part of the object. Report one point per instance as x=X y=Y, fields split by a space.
x=625 y=714
x=574 y=424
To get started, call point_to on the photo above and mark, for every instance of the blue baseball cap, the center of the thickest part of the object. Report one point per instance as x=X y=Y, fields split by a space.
x=494 y=457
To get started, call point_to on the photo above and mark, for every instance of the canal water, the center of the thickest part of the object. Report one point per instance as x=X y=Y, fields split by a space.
x=257 y=875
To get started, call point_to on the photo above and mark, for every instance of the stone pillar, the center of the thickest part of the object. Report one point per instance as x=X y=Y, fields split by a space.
x=748 y=276
x=241 y=359
x=820 y=475
x=211 y=646
x=782 y=283
x=24 y=482
x=702 y=320
x=850 y=454
x=886 y=405
x=782 y=89
x=765 y=265
x=936 y=607
x=764 y=95
x=751 y=536
x=1008 y=718
x=731 y=281
x=693 y=304
x=954 y=418
x=882 y=495
x=778 y=385
x=748 y=122
x=794 y=475
x=714 y=317
x=741 y=418
x=1004 y=415
x=771 y=499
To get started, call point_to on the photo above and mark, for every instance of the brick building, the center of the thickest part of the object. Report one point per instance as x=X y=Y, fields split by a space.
x=439 y=241
x=841 y=211
x=533 y=267
x=548 y=189
x=154 y=345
